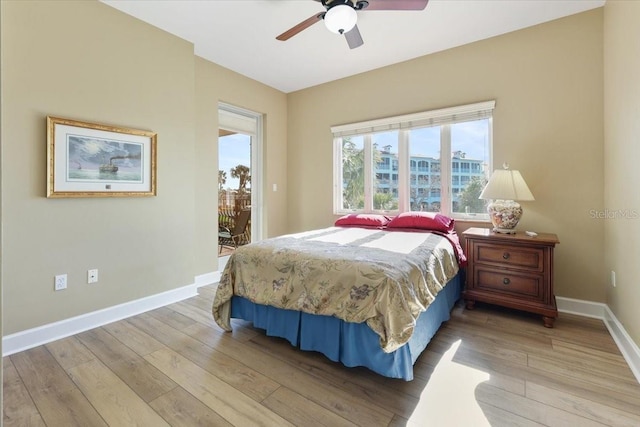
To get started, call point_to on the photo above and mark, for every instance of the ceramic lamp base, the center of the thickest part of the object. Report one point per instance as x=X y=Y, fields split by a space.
x=505 y=215
x=504 y=230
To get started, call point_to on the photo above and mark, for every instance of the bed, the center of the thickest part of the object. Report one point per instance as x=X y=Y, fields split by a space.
x=363 y=295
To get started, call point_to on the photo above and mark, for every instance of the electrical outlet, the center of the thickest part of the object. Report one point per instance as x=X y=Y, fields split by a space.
x=613 y=278
x=92 y=276
x=60 y=282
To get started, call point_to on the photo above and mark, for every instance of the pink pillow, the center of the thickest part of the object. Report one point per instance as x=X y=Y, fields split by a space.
x=363 y=220
x=423 y=221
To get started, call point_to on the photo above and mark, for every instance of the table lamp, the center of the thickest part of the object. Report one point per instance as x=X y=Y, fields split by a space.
x=503 y=189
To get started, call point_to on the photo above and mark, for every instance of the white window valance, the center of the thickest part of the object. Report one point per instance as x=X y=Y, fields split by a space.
x=438 y=117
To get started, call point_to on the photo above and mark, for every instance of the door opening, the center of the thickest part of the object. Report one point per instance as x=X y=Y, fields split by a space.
x=239 y=166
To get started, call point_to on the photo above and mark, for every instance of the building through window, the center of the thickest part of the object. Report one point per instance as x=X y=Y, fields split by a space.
x=432 y=161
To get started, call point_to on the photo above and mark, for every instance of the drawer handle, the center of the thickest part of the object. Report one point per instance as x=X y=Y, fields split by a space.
x=506 y=281
x=506 y=255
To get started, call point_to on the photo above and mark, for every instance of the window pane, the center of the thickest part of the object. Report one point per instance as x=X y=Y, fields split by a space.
x=470 y=152
x=385 y=159
x=353 y=173
x=424 y=152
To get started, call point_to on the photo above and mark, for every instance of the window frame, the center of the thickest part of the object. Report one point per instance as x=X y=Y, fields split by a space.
x=442 y=118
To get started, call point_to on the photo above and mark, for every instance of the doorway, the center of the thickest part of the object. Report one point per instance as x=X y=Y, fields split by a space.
x=239 y=177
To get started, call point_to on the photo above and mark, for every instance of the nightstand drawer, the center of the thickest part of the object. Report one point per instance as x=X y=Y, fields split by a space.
x=510 y=256
x=507 y=282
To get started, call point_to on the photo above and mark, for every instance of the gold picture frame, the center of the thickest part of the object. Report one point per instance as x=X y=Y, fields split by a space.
x=94 y=160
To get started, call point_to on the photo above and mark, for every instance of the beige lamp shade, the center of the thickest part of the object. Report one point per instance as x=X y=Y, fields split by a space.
x=506 y=184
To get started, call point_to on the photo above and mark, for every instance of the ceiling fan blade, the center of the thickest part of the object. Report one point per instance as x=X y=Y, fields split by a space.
x=397 y=4
x=301 y=26
x=354 y=39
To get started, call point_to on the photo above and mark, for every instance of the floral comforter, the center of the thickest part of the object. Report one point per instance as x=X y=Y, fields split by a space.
x=383 y=278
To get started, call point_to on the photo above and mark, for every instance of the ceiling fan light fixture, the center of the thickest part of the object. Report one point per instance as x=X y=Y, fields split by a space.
x=340 y=19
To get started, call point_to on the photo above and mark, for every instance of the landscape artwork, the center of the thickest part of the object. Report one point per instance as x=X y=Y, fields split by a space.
x=91 y=159
x=95 y=160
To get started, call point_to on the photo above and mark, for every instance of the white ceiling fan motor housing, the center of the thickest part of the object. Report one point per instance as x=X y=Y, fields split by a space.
x=340 y=19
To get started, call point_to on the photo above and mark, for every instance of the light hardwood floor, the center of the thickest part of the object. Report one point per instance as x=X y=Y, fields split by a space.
x=174 y=366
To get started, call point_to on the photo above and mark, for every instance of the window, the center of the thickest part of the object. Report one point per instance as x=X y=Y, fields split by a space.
x=384 y=163
x=421 y=148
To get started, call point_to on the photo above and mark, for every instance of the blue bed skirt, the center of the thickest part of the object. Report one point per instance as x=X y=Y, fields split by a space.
x=352 y=344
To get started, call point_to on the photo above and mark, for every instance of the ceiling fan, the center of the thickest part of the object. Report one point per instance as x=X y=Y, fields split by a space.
x=341 y=16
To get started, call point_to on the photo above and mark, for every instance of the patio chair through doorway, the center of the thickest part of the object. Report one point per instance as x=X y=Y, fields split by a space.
x=235 y=236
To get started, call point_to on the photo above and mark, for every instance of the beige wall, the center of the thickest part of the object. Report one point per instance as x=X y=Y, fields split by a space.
x=88 y=61
x=547 y=83
x=621 y=152
x=217 y=84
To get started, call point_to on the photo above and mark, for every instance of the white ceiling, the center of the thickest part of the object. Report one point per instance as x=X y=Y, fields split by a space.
x=240 y=34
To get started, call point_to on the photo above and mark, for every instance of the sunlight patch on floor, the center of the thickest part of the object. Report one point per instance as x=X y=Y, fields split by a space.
x=449 y=397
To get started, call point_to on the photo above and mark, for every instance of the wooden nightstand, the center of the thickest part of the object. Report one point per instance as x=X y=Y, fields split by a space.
x=511 y=270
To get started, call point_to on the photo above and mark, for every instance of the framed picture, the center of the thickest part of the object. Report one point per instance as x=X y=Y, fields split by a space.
x=93 y=160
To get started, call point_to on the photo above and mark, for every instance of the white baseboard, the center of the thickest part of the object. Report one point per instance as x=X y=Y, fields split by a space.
x=222 y=262
x=629 y=349
x=581 y=307
x=207 y=279
x=213 y=277
x=53 y=331
x=627 y=346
